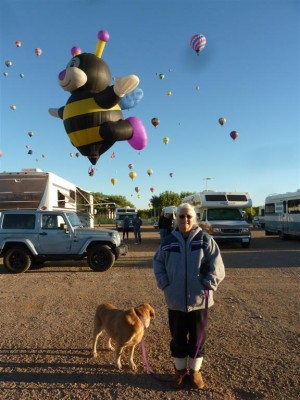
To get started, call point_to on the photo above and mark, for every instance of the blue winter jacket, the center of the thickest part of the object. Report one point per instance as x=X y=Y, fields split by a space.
x=184 y=268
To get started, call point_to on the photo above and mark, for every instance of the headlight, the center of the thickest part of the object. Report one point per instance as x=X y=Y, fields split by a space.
x=216 y=230
x=116 y=238
x=245 y=230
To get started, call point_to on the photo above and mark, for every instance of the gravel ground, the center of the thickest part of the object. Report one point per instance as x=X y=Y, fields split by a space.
x=253 y=329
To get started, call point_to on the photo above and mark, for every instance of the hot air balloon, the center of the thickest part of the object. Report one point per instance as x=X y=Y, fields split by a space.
x=18 y=43
x=8 y=63
x=169 y=93
x=5 y=73
x=234 y=135
x=198 y=42
x=30 y=151
x=114 y=181
x=161 y=76
x=71 y=154
x=22 y=76
x=132 y=175
x=171 y=174
x=13 y=107
x=222 y=121
x=137 y=189
x=130 y=166
x=43 y=155
x=77 y=154
x=30 y=134
x=138 y=196
x=166 y=140
x=155 y=122
x=38 y=51
x=197 y=87
x=92 y=115
x=149 y=171
x=1 y=153
x=152 y=189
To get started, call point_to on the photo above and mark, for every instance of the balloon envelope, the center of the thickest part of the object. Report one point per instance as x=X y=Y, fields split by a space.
x=18 y=43
x=149 y=171
x=198 y=42
x=30 y=134
x=13 y=107
x=131 y=99
x=169 y=93
x=38 y=51
x=166 y=140
x=155 y=122
x=137 y=189
x=234 y=135
x=114 y=180
x=222 y=121
x=161 y=76
x=152 y=189
x=8 y=63
x=130 y=166
x=132 y=175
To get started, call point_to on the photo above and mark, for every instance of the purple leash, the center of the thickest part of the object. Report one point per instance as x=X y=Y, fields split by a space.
x=200 y=339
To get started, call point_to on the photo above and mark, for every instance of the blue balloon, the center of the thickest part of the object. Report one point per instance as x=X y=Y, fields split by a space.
x=131 y=99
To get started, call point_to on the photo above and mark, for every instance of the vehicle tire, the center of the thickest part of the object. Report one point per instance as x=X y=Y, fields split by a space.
x=282 y=236
x=245 y=245
x=17 y=260
x=100 y=258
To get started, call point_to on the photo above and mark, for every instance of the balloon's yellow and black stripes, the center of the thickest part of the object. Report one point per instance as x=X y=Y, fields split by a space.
x=82 y=120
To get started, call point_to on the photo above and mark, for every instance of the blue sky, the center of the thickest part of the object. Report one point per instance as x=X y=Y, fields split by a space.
x=247 y=73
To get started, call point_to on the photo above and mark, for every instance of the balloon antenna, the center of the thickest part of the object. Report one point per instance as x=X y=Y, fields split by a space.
x=103 y=38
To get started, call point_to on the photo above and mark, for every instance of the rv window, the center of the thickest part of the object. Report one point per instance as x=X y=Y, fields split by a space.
x=224 y=214
x=270 y=208
x=236 y=197
x=215 y=197
x=294 y=206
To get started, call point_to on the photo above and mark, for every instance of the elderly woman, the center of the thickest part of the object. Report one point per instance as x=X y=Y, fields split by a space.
x=187 y=266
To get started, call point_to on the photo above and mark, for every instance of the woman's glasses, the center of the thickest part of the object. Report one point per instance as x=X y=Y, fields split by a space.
x=185 y=216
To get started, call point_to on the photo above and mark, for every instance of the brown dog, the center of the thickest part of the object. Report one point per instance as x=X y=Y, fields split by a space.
x=124 y=327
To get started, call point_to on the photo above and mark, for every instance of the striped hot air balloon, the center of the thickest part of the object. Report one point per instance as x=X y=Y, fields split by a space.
x=198 y=42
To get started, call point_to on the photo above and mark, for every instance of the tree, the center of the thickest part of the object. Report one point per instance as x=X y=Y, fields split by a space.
x=165 y=199
x=185 y=194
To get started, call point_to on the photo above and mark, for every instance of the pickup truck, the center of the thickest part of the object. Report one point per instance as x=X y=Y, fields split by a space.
x=32 y=237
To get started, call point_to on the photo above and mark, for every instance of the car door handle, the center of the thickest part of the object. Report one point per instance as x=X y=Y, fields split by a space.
x=43 y=233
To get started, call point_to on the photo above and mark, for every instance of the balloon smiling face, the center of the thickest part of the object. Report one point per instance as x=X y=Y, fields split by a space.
x=85 y=72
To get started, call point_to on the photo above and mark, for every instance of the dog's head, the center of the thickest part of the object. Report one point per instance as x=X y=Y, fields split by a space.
x=146 y=312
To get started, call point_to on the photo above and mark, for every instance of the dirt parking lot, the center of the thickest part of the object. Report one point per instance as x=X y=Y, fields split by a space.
x=253 y=330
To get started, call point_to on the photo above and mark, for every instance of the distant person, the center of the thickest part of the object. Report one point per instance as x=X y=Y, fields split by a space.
x=164 y=225
x=137 y=223
x=188 y=267
x=126 y=224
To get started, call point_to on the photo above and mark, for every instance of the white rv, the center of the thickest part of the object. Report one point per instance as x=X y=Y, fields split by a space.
x=282 y=214
x=220 y=214
x=33 y=189
x=121 y=213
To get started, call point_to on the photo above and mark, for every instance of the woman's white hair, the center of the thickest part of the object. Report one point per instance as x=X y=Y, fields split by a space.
x=189 y=208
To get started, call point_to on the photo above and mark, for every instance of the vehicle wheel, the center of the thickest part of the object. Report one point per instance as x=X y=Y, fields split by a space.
x=100 y=258
x=245 y=245
x=282 y=236
x=17 y=260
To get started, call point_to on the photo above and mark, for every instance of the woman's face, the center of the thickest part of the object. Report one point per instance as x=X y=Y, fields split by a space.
x=185 y=221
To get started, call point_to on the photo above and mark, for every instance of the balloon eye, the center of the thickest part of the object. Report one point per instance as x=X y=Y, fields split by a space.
x=73 y=63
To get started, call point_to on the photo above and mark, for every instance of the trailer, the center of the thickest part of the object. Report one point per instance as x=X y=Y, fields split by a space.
x=33 y=189
x=282 y=214
x=221 y=215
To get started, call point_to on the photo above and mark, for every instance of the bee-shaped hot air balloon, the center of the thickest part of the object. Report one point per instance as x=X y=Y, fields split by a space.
x=92 y=115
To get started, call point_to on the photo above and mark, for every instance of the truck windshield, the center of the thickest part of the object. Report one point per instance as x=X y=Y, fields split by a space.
x=224 y=214
x=74 y=219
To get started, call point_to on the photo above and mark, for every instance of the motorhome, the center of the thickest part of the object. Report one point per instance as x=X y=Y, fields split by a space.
x=220 y=214
x=33 y=189
x=282 y=214
x=121 y=213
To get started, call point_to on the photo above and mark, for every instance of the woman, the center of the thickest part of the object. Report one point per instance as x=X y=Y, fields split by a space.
x=187 y=264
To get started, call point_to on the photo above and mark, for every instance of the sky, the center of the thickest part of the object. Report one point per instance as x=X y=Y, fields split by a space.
x=248 y=73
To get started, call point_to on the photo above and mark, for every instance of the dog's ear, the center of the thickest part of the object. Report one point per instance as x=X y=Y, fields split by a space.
x=152 y=312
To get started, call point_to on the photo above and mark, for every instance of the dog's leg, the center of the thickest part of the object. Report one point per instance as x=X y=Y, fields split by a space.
x=118 y=353
x=97 y=334
x=132 y=364
x=109 y=345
